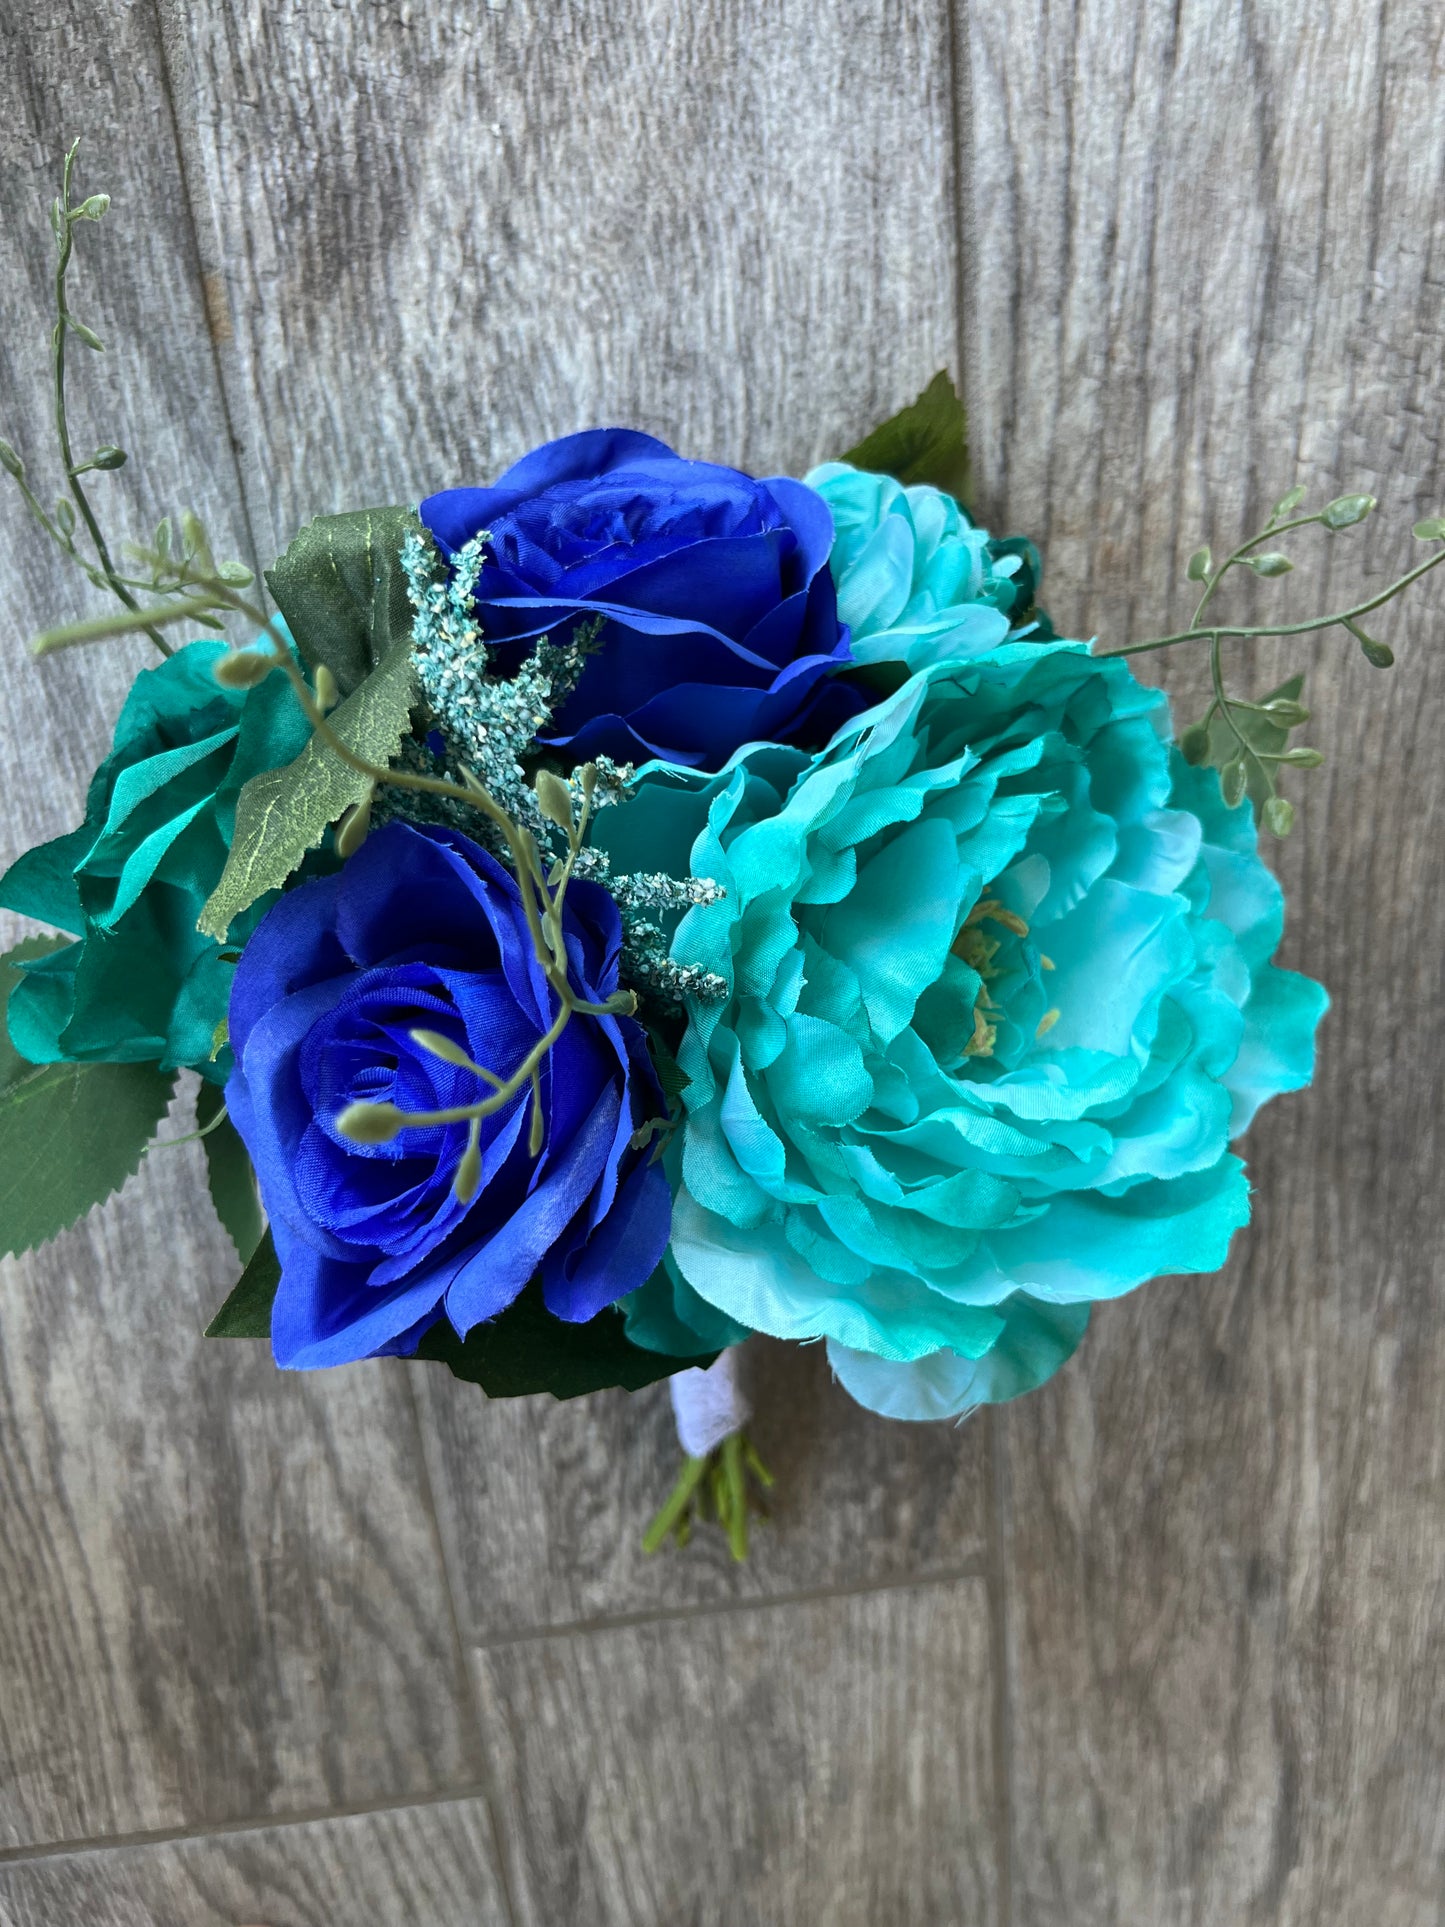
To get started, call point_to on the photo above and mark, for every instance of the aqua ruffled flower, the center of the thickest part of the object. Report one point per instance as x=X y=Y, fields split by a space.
x=1000 y=994
x=141 y=982
x=917 y=583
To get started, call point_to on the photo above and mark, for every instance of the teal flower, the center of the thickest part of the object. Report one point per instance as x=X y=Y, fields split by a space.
x=917 y=583
x=141 y=982
x=1000 y=995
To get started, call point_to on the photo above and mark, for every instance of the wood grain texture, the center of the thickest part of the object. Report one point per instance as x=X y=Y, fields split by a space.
x=817 y=1765
x=426 y=1866
x=93 y=70
x=451 y=231
x=221 y=1594
x=1206 y=264
x=543 y=1506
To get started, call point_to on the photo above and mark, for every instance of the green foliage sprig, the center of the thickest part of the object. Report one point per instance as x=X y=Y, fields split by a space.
x=1247 y=741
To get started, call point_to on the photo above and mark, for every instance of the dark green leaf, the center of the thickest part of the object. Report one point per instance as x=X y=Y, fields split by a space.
x=341 y=587
x=670 y=1074
x=283 y=813
x=925 y=442
x=1260 y=731
x=526 y=1350
x=228 y=1169
x=70 y=1134
x=247 y=1312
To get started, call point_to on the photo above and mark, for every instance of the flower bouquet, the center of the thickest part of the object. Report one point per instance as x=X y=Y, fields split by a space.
x=633 y=904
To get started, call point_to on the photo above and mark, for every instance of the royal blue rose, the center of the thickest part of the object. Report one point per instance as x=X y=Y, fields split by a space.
x=424 y=931
x=720 y=618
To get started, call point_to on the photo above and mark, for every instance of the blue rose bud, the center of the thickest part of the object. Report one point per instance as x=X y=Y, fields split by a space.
x=380 y=986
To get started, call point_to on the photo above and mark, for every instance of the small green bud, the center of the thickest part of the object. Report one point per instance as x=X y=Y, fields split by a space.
x=87 y=335
x=92 y=208
x=1199 y=565
x=243 y=668
x=352 y=830
x=1271 y=563
x=11 y=462
x=1232 y=783
x=234 y=574
x=538 y=1130
x=1288 y=715
x=440 y=1045
x=371 y=1123
x=1430 y=530
x=162 y=543
x=554 y=799
x=1279 y=816
x=1379 y=655
x=57 y=219
x=194 y=540
x=327 y=693
x=65 y=514
x=1346 y=510
x=1194 y=744
x=469 y=1172
x=109 y=457
x=1287 y=504
x=1302 y=758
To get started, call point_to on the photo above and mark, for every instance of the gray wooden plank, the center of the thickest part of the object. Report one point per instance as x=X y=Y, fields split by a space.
x=450 y=232
x=427 y=1866
x=221 y=1593
x=1205 y=263
x=543 y=1506
x=800 y=1764
x=94 y=70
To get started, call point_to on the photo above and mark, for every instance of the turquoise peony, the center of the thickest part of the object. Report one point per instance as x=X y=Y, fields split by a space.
x=999 y=998
x=917 y=583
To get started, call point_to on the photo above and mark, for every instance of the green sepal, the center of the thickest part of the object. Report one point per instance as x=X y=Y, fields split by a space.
x=247 y=1312
x=283 y=813
x=70 y=1134
x=341 y=587
x=1262 y=734
x=229 y=1173
x=525 y=1350
x=925 y=442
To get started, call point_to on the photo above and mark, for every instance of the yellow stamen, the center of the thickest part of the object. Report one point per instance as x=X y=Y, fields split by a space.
x=1046 y=963
x=1046 y=1023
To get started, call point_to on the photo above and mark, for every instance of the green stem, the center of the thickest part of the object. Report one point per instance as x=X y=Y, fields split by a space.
x=1340 y=617
x=65 y=241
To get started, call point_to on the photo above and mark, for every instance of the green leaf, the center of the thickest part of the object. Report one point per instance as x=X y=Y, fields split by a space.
x=670 y=1074
x=1432 y=529
x=341 y=587
x=1200 y=564
x=1287 y=504
x=1346 y=510
x=228 y=1170
x=525 y=1349
x=1261 y=731
x=283 y=813
x=247 y=1312
x=1271 y=563
x=925 y=442
x=70 y=1134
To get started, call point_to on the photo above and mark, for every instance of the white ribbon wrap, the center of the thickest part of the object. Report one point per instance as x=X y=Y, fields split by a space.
x=710 y=1405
